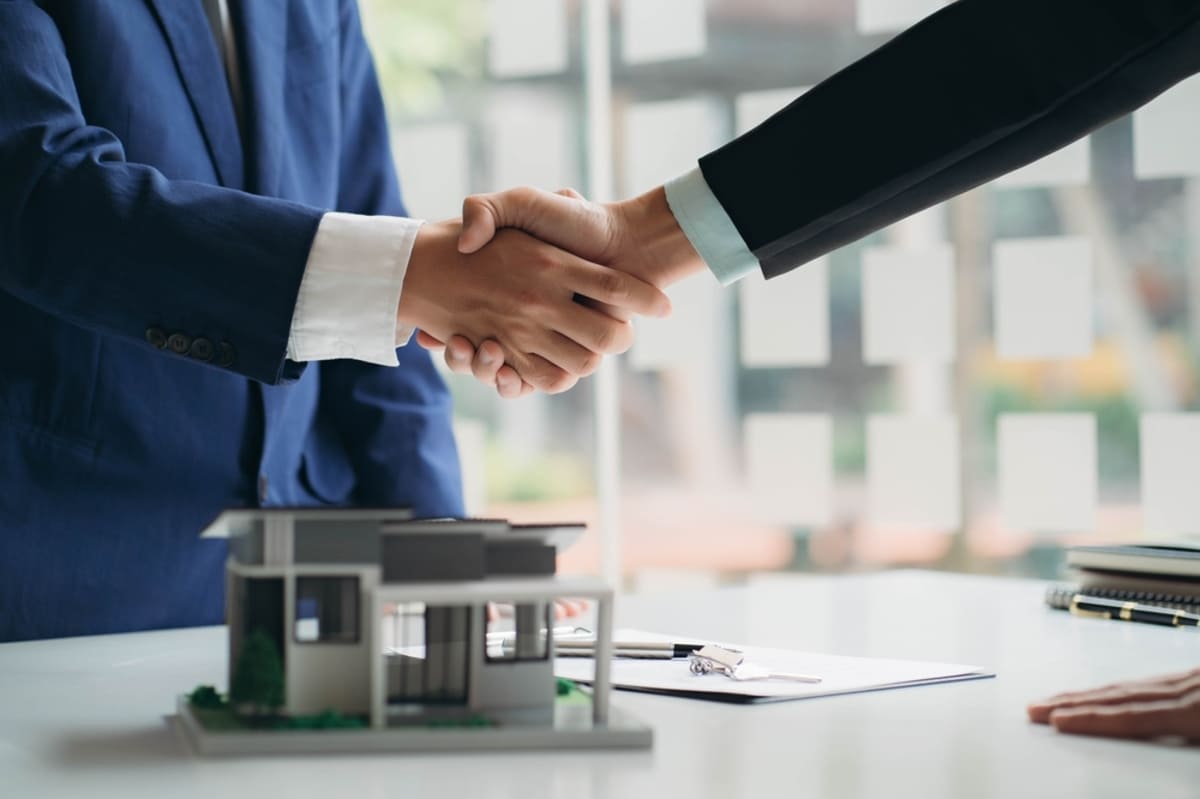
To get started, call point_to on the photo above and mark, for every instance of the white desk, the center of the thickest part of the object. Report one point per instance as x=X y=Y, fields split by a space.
x=84 y=717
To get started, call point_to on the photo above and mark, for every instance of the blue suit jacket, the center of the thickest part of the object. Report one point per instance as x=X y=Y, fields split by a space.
x=149 y=266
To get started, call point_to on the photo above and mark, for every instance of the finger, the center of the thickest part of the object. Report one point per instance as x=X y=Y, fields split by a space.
x=527 y=389
x=615 y=287
x=593 y=330
x=459 y=354
x=1170 y=687
x=489 y=357
x=1120 y=693
x=603 y=307
x=1136 y=720
x=573 y=607
x=568 y=355
x=429 y=342
x=544 y=375
x=569 y=192
x=509 y=384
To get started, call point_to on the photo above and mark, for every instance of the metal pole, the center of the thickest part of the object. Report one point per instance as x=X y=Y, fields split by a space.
x=597 y=71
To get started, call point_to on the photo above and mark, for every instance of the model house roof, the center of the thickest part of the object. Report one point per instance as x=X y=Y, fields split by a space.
x=406 y=549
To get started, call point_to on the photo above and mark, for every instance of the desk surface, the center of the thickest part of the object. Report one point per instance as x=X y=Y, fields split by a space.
x=85 y=716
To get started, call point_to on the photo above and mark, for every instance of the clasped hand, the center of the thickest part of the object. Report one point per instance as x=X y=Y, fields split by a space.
x=536 y=287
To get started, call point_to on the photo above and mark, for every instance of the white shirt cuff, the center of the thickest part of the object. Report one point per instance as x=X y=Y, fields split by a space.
x=350 y=291
x=709 y=228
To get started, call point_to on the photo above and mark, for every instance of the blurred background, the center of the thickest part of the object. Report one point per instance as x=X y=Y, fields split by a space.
x=971 y=389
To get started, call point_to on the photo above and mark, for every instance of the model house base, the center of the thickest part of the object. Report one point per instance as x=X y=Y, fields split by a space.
x=570 y=730
x=355 y=630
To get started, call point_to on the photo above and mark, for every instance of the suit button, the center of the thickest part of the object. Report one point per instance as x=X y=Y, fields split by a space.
x=225 y=354
x=156 y=337
x=178 y=343
x=201 y=349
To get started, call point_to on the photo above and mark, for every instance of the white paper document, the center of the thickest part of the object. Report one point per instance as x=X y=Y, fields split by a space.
x=839 y=674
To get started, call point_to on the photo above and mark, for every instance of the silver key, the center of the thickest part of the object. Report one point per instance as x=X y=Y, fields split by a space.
x=732 y=664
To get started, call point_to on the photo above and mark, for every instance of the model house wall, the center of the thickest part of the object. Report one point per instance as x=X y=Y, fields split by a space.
x=315 y=582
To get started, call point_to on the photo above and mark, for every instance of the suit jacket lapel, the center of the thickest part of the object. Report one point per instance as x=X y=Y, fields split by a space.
x=262 y=30
x=196 y=57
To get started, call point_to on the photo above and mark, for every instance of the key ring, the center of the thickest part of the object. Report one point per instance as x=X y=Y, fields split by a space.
x=713 y=658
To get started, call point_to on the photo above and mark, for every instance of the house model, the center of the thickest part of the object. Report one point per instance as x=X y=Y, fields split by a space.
x=364 y=630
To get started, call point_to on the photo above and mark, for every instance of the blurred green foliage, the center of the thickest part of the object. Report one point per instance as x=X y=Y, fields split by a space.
x=419 y=44
x=1117 y=420
x=547 y=476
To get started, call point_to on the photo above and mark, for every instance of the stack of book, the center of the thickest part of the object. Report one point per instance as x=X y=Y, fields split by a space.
x=1163 y=575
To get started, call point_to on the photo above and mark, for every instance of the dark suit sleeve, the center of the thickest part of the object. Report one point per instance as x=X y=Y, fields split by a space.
x=972 y=92
x=116 y=247
x=393 y=422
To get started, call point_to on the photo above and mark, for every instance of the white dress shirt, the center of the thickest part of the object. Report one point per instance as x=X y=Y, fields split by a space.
x=350 y=290
x=709 y=228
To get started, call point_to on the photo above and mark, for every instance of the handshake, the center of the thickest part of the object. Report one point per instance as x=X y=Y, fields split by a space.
x=531 y=289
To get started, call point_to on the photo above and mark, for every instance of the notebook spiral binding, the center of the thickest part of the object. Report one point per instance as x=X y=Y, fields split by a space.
x=1059 y=596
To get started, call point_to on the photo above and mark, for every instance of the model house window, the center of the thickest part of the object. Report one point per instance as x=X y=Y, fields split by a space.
x=525 y=639
x=327 y=610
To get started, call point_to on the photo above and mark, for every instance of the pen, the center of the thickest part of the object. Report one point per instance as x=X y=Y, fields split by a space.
x=560 y=633
x=648 y=650
x=1097 y=607
x=655 y=650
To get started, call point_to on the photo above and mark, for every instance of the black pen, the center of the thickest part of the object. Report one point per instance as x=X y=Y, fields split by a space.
x=1097 y=607
x=651 y=650
x=643 y=650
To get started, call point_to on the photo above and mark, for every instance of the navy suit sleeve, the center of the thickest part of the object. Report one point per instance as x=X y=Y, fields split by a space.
x=974 y=91
x=116 y=247
x=394 y=422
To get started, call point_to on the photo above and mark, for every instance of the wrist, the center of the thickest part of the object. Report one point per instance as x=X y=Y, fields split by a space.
x=656 y=234
x=435 y=243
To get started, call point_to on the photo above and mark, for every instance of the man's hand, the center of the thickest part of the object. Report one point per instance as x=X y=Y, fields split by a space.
x=1157 y=708
x=520 y=292
x=638 y=236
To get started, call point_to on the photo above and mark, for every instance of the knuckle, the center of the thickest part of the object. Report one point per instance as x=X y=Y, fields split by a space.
x=589 y=363
x=614 y=286
x=539 y=375
x=614 y=337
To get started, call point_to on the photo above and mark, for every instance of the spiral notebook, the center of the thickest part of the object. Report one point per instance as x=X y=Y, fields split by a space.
x=1059 y=596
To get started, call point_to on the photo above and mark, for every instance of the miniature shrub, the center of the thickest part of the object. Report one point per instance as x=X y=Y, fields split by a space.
x=258 y=676
x=205 y=696
x=325 y=720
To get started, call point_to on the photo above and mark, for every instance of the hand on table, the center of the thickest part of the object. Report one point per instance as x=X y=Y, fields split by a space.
x=520 y=292
x=1161 y=707
x=563 y=609
x=639 y=237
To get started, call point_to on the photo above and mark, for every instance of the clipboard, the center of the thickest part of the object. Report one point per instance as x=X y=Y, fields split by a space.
x=840 y=674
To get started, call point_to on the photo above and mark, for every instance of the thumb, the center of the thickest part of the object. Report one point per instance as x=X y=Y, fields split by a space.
x=480 y=219
x=558 y=218
x=429 y=342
